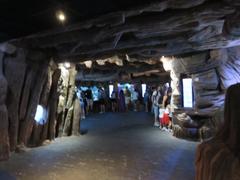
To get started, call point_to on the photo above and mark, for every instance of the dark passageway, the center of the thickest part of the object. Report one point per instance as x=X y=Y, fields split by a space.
x=116 y=146
x=66 y=63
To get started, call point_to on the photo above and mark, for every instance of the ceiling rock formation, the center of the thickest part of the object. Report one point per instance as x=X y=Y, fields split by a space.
x=168 y=27
x=112 y=70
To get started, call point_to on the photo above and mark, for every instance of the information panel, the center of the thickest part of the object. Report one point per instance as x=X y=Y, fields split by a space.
x=110 y=90
x=187 y=93
x=144 y=88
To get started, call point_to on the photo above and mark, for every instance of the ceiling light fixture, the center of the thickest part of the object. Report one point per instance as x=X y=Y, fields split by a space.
x=61 y=16
x=67 y=65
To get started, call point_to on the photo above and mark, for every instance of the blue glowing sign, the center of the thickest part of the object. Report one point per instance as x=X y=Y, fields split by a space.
x=187 y=93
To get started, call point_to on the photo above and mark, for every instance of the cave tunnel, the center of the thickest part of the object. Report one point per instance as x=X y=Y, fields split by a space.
x=101 y=90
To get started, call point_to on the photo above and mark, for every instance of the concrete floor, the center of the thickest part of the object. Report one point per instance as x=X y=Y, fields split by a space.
x=116 y=146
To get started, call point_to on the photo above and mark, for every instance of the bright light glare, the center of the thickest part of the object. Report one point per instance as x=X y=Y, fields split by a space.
x=88 y=64
x=187 y=93
x=61 y=16
x=144 y=88
x=41 y=115
x=167 y=65
x=110 y=90
x=67 y=65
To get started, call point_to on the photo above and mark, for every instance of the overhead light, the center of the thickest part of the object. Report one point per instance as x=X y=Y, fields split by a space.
x=61 y=16
x=67 y=65
x=88 y=64
x=128 y=58
x=167 y=63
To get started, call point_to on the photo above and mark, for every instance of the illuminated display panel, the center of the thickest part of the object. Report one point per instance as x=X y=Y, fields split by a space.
x=110 y=90
x=187 y=93
x=144 y=88
x=41 y=115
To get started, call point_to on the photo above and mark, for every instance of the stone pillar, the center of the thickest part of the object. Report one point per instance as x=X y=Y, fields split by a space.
x=4 y=136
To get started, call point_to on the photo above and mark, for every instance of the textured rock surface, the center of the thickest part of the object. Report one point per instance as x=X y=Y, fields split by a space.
x=76 y=117
x=162 y=28
x=229 y=71
x=24 y=85
x=53 y=104
x=212 y=73
x=126 y=70
x=127 y=46
x=4 y=138
x=15 y=69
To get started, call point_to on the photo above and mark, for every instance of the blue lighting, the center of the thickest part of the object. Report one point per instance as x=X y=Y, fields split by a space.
x=41 y=115
x=187 y=93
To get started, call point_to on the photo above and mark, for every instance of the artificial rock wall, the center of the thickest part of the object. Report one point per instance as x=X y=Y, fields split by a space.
x=22 y=83
x=218 y=158
x=212 y=73
x=68 y=109
x=26 y=83
x=29 y=79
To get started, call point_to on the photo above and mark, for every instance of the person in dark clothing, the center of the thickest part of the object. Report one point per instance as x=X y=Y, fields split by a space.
x=89 y=99
x=165 y=121
x=122 y=105
x=146 y=99
x=114 y=100
x=156 y=101
x=167 y=97
x=102 y=99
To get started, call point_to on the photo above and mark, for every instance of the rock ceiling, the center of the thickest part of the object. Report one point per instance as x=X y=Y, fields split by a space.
x=164 y=28
x=126 y=71
x=167 y=27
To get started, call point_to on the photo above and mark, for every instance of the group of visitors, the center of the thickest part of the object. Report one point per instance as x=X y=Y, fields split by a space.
x=87 y=100
x=156 y=100
x=161 y=98
x=125 y=99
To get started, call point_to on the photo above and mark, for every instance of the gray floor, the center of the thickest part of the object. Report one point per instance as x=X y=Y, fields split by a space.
x=116 y=146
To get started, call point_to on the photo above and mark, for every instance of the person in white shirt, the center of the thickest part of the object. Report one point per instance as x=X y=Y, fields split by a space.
x=135 y=99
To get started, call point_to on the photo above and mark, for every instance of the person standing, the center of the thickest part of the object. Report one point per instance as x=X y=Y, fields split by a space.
x=102 y=99
x=127 y=95
x=135 y=97
x=89 y=99
x=146 y=99
x=114 y=100
x=122 y=105
x=165 y=121
x=167 y=97
x=156 y=101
